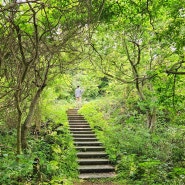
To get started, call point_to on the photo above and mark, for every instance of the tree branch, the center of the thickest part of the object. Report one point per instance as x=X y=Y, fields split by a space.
x=175 y=72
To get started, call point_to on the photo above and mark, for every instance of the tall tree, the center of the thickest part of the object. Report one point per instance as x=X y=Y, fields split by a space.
x=35 y=35
x=138 y=43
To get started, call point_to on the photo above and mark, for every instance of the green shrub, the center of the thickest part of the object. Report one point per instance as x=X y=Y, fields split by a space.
x=141 y=157
x=54 y=149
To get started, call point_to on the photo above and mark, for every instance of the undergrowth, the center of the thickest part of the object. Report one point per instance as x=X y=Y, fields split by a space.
x=53 y=148
x=140 y=157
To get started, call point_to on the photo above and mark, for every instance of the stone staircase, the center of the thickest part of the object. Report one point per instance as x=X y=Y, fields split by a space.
x=92 y=159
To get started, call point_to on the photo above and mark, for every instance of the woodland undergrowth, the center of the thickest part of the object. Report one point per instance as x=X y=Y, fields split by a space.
x=140 y=157
x=52 y=148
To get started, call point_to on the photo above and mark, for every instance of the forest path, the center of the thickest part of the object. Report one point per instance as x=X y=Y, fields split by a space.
x=92 y=159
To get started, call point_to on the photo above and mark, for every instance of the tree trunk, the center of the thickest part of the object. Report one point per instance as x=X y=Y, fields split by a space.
x=19 y=144
x=151 y=119
x=19 y=147
x=19 y=118
x=28 y=119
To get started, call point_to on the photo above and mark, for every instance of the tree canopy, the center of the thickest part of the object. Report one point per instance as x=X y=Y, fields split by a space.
x=128 y=55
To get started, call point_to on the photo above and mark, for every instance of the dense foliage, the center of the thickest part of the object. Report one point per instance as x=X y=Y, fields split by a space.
x=140 y=157
x=52 y=146
x=127 y=55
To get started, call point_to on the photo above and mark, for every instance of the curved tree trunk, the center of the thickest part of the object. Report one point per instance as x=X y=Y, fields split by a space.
x=28 y=120
x=138 y=79
x=151 y=119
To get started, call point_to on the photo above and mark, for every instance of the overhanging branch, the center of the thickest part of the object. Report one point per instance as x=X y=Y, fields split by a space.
x=175 y=72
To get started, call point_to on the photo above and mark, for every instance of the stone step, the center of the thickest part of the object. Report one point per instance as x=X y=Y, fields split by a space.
x=80 y=126
x=77 y=120
x=78 y=123
x=99 y=154
x=82 y=132
x=90 y=148
x=76 y=117
x=95 y=168
x=83 y=139
x=72 y=111
x=80 y=129
x=83 y=135
x=93 y=161
x=89 y=143
x=96 y=175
